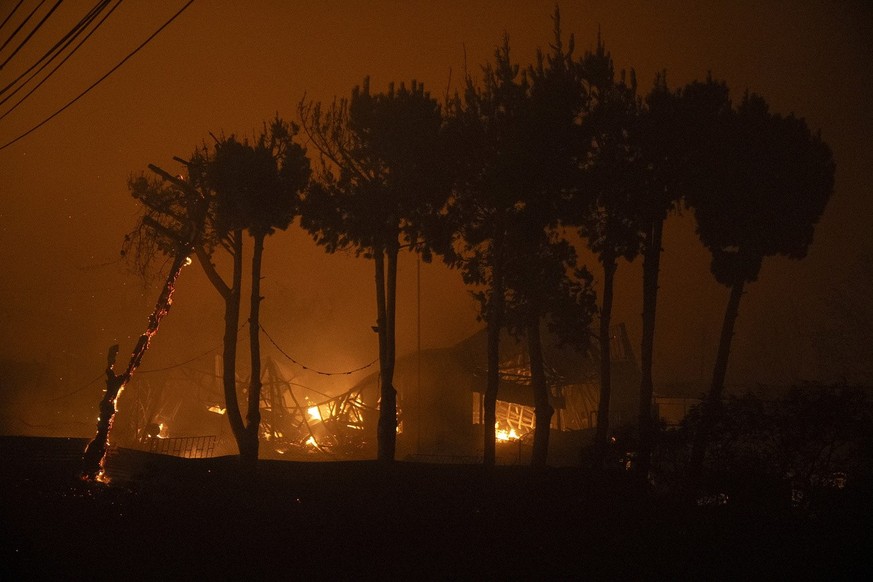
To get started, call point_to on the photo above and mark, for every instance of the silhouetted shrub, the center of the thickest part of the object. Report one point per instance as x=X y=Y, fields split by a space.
x=813 y=439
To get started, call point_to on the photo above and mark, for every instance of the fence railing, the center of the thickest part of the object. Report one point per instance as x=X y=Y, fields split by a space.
x=198 y=447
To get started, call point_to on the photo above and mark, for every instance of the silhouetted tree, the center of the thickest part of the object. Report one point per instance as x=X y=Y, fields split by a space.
x=543 y=285
x=257 y=188
x=171 y=225
x=602 y=203
x=659 y=141
x=513 y=140
x=379 y=181
x=483 y=127
x=252 y=187
x=765 y=187
x=542 y=280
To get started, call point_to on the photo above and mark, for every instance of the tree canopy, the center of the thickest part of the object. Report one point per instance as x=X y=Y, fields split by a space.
x=380 y=184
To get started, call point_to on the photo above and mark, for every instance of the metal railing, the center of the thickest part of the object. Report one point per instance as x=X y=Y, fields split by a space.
x=197 y=447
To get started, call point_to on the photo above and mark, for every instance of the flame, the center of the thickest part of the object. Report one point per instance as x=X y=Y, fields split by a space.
x=314 y=413
x=217 y=409
x=503 y=435
x=311 y=441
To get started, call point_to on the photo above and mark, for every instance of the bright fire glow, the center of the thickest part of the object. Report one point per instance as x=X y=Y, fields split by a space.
x=311 y=441
x=314 y=413
x=503 y=435
x=217 y=409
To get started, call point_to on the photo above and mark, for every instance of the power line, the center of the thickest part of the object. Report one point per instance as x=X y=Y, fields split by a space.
x=284 y=353
x=313 y=390
x=55 y=50
x=206 y=353
x=59 y=65
x=74 y=392
x=32 y=32
x=20 y=2
x=102 y=374
x=20 y=26
x=179 y=365
x=101 y=79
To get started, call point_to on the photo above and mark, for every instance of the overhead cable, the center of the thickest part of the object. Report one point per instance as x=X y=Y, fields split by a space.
x=59 y=65
x=100 y=80
x=59 y=46
x=102 y=374
x=20 y=26
x=32 y=32
x=284 y=353
x=5 y=20
x=206 y=353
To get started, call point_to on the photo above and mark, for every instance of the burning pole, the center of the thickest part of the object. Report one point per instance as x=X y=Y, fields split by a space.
x=184 y=232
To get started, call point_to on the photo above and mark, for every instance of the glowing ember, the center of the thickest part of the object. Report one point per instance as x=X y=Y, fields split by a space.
x=217 y=409
x=311 y=442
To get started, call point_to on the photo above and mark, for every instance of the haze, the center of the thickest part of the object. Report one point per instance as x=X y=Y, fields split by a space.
x=66 y=295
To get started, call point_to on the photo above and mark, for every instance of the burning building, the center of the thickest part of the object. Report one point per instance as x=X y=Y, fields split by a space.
x=440 y=395
x=440 y=405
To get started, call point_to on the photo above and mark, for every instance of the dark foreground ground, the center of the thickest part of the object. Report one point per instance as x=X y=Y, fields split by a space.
x=164 y=518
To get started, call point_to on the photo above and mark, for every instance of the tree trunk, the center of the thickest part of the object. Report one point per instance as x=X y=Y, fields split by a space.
x=95 y=452
x=490 y=399
x=651 y=267
x=713 y=398
x=387 y=427
x=601 y=435
x=249 y=453
x=494 y=321
x=232 y=296
x=232 y=299
x=388 y=391
x=542 y=409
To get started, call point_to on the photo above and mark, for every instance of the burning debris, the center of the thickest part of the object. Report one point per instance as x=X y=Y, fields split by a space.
x=504 y=435
x=335 y=426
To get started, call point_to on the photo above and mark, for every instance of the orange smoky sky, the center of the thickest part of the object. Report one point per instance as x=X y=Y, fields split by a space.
x=222 y=66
